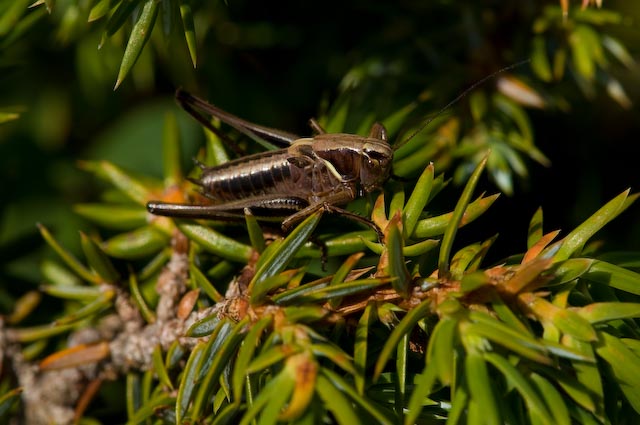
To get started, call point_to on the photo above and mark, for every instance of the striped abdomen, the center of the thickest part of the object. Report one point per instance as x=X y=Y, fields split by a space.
x=267 y=173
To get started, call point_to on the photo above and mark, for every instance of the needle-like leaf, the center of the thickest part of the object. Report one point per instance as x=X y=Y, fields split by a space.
x=456 y=219
x=139 y=35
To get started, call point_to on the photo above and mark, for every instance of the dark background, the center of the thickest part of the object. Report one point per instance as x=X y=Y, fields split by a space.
x=275 y=63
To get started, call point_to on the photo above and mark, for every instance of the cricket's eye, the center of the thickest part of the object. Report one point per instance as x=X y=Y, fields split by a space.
x=375 y=155
x=375 y=158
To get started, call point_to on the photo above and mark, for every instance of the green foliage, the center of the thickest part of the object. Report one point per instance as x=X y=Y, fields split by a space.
x=280 y=346
x=201 y=321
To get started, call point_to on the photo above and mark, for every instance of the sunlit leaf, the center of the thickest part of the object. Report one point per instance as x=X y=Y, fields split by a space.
x=11 y=15
x=341 y=274
x=35 y=333
x=618 y=50
x=516 y=341
x=100 y=9
x=535 y=404
x=189 y=380
x=204 y=326
x=482 y=391
x=160 y=367
x=68 y=258
x=617 y=92
x=397 y=269
x=133 y=393
x=8 y=116
x=457 y=219
x=425 y=383
x=148 y=315
x=336 y=402
x=568 y=321
x=28 y=302
x=604 y=312
x=361 y=346
x=527 y=275
x=189 y=30
x=139 y=35
x=435 y=226
x=102 y=302
x=270 y=357
x=539 y=59
x=570 y=269
x=256 y=235
x=322 y=293
x=130 y=186
x=245 y=354
x=217 y=354
x=78 y=355
x=216 y=242
x=575 y=240
x=201 y=281
x=120 y=217
x=582 y=49
x=518 y=90
x=275 y=393
x=300 y=292
x=336 y=355
x=304 y=368
x=99 y=262
x=614 y=276
x=625 y=365
x=8 y=399
x=151 y=407
x=537 y=248
x=376 y=411
x=278 y=259
x=269 y=284
x=418 y=200
x=440 y=351
x=139 y=243
x=305 y=314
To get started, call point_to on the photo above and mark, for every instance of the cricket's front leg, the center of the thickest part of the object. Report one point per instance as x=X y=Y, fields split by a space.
x=328 y=204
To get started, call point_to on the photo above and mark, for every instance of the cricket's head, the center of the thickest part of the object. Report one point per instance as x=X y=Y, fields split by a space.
x=362 y=160
x=375 y=167
x=377 y=155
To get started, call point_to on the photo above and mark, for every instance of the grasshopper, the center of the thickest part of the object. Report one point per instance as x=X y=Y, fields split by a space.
x=304 y=176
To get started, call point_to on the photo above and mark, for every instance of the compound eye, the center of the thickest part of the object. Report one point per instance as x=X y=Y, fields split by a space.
x=376 y=159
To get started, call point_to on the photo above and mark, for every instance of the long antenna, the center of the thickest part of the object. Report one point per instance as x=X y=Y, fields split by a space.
x=457 y=99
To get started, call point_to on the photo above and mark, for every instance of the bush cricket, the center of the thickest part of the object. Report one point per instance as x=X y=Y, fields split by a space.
x=308 y=174
x=303 y=176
